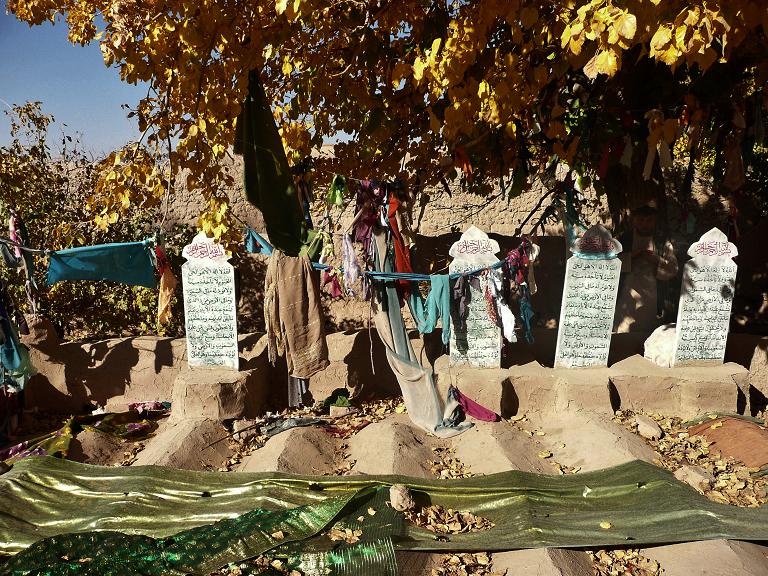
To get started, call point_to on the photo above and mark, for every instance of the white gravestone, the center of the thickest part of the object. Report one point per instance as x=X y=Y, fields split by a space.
x=704 y=314
x=480 y=344
x=210 y=314
x=589 y=300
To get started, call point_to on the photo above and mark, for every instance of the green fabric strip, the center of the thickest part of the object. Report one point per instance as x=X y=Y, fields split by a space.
x=43 y=497
x=267 y=178
x=199 y=550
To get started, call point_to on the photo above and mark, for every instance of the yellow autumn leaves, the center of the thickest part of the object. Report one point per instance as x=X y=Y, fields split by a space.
x=611 y=28
x=126 y=177
x=674 y=32
x=691 y=37
x=406 y=79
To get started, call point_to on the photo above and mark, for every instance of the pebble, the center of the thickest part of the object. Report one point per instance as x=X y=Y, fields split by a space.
x=695 y=476
x=401 y=498
x=647 y=427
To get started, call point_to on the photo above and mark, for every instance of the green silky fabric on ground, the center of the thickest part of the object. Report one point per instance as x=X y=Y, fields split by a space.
x=43 y=497
x=199 y=550
x=267 y=178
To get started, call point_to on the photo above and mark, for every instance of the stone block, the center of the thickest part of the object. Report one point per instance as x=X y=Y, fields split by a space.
x=339 y=411
x=682 y=391
x=583 y=389
x=758 y=367
x=484 y=385
x=245 y=429
x=217 y=393
x=42 y=332
x=528 y=388
x=49 y=390
x=111 y=373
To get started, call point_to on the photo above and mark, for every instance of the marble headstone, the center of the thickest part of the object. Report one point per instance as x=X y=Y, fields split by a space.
x=210 y=315
x=480 y=344
x=589 y=300
x=706 y=295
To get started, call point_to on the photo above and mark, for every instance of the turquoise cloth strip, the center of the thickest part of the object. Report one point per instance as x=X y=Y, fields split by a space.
x=129 y=263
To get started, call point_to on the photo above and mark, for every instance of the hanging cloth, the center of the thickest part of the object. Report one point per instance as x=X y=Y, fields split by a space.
x=516 y=274
x=336 y=191
x=14 y=356
x=352 y=271
x=267 y=178
x=462 y=296
x=293 y=315
x=331 y=276
x=503 y=317
x=472 y=408
x=370 y=197
x=425 y=407
x=402 y=253
x=17 y=232
x=255 y=244
x=168 y=284
x=437 y=306
x=128 y=263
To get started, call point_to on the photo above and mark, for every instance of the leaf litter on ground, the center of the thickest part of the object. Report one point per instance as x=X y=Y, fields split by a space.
x=734 y=482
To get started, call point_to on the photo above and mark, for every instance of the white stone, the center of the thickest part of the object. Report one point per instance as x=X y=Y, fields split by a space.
x=589 y=301
x=401 y=498
x=480 y=344
x=695 y=476
x=659 y=347
x=210 y=313
x=706 y=295
x=647 y=427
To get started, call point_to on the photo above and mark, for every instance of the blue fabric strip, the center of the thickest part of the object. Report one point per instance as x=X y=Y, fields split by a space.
x=127 y=263
x=414 y=277
x=256 y=244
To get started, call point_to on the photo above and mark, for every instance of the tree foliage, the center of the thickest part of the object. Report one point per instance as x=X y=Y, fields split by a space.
x=51 y=186
x=507 y=82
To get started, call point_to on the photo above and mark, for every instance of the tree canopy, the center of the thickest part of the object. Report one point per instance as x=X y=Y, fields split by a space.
x=498 y=84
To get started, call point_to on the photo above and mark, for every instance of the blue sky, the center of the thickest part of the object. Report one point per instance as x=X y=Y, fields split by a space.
x=72 y=82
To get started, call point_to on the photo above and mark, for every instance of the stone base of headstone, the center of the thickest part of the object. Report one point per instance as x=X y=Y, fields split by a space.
x=681 y=391
x=634 y=383
x=218 y=394
x=531 y=388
